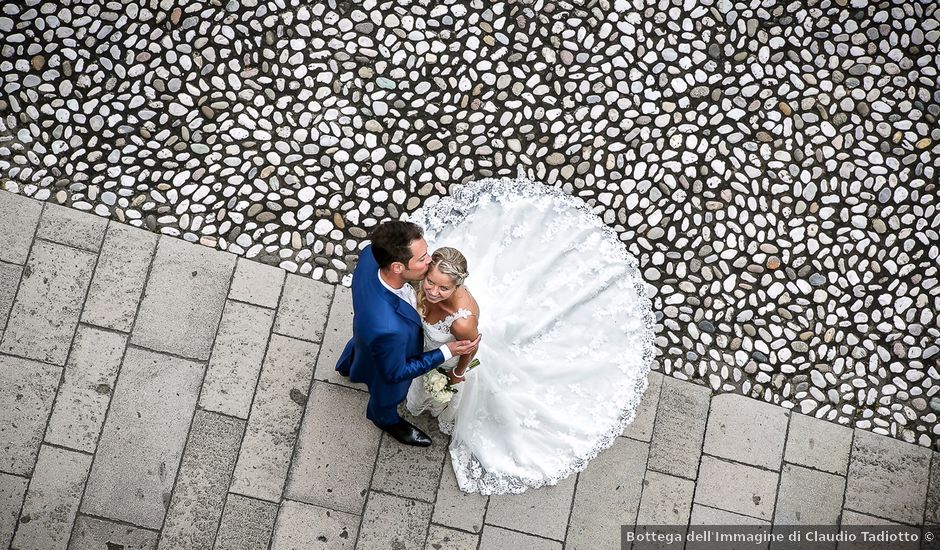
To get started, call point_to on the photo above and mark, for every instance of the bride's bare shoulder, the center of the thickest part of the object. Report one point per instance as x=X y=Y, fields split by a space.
x=467 y=301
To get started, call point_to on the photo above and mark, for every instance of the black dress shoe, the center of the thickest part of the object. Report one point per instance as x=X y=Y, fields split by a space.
x=407 y=434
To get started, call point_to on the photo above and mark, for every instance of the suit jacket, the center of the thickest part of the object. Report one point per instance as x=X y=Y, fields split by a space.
x=387 y=348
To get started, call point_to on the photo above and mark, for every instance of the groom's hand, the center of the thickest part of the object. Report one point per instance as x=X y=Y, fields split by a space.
x=463 y=347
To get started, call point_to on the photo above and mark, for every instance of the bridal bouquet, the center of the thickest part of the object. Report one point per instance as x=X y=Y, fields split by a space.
x=438 y=386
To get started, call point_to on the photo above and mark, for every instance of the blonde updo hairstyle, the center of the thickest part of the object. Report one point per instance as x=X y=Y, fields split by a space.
x=450 y=262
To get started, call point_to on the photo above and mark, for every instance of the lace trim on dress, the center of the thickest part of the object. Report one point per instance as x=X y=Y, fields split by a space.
x=444 y=324
x=434 y=216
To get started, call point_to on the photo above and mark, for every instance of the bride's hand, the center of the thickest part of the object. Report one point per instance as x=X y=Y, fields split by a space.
x=454 y=379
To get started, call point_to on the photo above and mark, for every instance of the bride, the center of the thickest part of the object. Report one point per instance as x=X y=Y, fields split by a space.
x=568 y=333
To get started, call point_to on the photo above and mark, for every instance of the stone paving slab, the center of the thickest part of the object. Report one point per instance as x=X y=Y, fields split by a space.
x=143 y=438
x=746 y=430
x=337 y=334
x=71 y=227
x=444 y=538
x=27 y=390
x=52 y=500
x=336 y=450
x=118 y=283
x=83 y=398
x=303 y=526
x=607 y=496
x=455 y=508
x=9 y=282
x=704 y=515
x=12 y=493
x=99 y=534
x=642 y=426
x=495 y=538
x=736 y=488
x=808 y=497
x=932 y=513
x=304 y=308
x=19 y=217
x=676 y=445
x=394 y=522
x=667 y=500
x=408 y=471
x=237 y=356
x=887 y=478
x=818 y=444
x=49 y=303
x=542 y=512
x=275 y=416
x=247 y=523
x=202 y=482
x=183 y=301
x=257 y=283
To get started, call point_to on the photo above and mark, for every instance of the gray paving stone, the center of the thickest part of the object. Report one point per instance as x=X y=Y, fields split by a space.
x=52 y=499
x=9 y=281
x=818 y=444
x=862 y=522
x=642 y=426
x=676 y=444
x=336 y=450
x=12 y=492
x=455 y=508
x=19 y=217
x=202 y=482
x=236 y=360
x=394 y=522
x=275 y=416
x=704 y=515
x=495 y=538
x=304 y=308
x=444 y=538
x=542 y=512
x=98 y=534
x=608 y=496
x=746 y=430
x=71 y=227
x=257 y=283
x=338 y=332
x=808 y=497
x=119 y=278
x=183 y=301
x=247 y=523
x=143 y=439
x=27 y=389
x=887 y=478
x=82 y=401
x=736 y=488
x=303 y=526
x=411 y=472
x=667 y=500
x=49 y=303
x=932 y=513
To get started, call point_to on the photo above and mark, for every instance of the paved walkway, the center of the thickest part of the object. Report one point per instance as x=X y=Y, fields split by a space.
x=160 y=394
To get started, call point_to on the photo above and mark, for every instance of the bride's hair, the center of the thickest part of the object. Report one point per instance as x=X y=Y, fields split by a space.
x=450 y=262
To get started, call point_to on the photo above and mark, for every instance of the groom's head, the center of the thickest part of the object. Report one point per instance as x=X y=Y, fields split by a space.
x=399 y=247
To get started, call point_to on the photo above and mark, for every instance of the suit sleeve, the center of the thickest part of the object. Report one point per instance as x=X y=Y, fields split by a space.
x=388 y=351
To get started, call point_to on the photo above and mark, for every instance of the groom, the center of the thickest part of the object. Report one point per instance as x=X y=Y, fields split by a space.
x=386 y=350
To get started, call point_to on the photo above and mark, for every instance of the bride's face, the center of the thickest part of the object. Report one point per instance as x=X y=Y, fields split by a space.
x=437 y=286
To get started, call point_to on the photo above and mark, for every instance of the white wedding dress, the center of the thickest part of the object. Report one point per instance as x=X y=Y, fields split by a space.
x=567 y=335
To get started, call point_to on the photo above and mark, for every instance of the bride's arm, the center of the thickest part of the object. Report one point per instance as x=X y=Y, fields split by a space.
x=464 y=329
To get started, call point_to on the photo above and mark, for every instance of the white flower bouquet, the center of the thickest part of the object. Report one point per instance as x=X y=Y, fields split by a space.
x=438 y=386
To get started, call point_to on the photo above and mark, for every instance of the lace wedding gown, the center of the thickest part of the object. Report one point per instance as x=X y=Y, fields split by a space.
x=567 y=335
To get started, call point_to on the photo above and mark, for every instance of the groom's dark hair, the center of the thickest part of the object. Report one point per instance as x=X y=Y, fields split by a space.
x=391 y=242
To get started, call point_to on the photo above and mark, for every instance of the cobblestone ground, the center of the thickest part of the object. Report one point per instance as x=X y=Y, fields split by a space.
x=157 y=394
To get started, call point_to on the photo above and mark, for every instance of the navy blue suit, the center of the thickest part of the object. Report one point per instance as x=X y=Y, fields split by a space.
x=387 y=348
